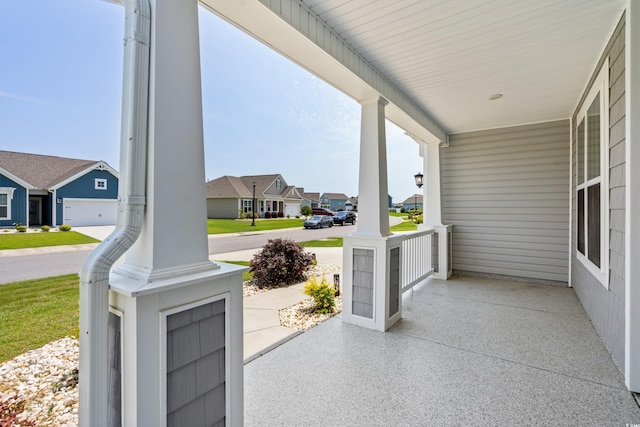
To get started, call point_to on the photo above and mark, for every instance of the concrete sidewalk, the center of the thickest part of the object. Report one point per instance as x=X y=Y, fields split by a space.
x=262 y=331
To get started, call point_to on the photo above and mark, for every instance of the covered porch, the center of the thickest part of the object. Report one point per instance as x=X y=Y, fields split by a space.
x=468 y=351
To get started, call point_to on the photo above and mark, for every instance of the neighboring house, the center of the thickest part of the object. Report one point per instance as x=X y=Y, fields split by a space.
x=309 y=199
x=48 y=190
x=353 y=203
x=333 y=201
x=228 y=196
x=412 y=202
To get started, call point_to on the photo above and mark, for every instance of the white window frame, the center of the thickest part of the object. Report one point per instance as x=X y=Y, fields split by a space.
x=100 y=184
x=247 y=206
x=278 y=184
x=9 y=192
x=601 y=87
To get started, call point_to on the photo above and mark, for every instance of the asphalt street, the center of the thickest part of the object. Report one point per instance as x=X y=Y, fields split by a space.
x=47 y=264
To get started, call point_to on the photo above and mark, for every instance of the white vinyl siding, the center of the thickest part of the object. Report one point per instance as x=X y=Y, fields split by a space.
x=505 y=192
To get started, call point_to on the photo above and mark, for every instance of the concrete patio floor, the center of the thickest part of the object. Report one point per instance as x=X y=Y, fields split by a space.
x=469 y=351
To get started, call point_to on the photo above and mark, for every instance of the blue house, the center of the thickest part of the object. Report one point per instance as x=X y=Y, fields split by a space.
x=48 y=190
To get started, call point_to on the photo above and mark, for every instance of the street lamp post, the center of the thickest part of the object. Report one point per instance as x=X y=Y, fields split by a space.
x=418 y=178
x=253 y=205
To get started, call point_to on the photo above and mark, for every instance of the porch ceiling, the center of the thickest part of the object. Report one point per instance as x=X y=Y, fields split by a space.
x=448 y=57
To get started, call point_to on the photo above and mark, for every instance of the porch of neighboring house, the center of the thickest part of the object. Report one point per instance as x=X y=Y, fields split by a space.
x=468 y=351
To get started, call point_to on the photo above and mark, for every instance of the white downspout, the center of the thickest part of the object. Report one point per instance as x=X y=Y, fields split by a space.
x=94 y=276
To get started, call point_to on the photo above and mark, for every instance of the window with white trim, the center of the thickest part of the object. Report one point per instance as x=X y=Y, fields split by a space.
x=6 y=194
x=5 y=205
x=278 y=184
x=592 y=195
x=101 y=184
x=247 y=206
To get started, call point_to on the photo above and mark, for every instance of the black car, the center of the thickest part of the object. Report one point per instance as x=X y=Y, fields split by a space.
x=344 y=217
x=319 y=221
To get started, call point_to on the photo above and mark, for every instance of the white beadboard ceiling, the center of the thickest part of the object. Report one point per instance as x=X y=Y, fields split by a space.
x=448 y=57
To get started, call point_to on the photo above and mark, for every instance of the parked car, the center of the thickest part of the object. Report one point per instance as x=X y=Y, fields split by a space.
x=322 y=211
x=319 y=221
x=344 y=217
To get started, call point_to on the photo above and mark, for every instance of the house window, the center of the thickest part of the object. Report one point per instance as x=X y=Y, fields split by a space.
x=5 y=206
x=278 y=184
x=101 y=184
x=591 y=180
x=247 y=206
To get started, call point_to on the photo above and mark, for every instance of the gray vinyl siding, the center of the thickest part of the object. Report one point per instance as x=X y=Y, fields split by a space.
x=222 y=208
x=506 y=192
x=196 y=366
x=606 y=307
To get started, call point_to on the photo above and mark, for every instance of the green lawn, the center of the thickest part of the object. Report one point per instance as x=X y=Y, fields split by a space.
x=246 y=276
x=36 y=312
x=331 y=242
x=222 y=226
x=37 y=240
x=404 y=226
x=399 y=214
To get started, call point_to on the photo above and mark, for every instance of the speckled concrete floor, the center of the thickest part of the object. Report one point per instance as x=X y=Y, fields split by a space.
x=469 y=351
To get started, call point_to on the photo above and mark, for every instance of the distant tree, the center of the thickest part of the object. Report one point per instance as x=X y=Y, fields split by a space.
x=305 y=211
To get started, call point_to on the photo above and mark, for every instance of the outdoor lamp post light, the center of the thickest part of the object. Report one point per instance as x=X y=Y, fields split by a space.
x=418 y=178
x=253 y=205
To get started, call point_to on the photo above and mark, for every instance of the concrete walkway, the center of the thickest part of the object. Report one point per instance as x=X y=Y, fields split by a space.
x=262 y=331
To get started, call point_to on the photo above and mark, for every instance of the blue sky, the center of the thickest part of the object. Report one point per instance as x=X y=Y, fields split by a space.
x=60 y=92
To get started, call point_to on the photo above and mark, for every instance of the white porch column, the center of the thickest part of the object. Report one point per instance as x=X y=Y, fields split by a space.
x=178 y=314
x=372 y=185
x=371 y=256
x=176 y=206
x=432 y=189
x=632 y=195
x=432 y=207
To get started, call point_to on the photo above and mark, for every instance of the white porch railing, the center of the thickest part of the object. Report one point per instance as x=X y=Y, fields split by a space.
x=416 y=264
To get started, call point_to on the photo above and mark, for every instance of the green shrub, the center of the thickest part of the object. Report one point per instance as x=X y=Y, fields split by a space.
x=241 y=214
x=305 y=211
x=64 y=227
x=281 y=262
x=323 y=294
x=45 y=228
x=21 y=228
x=417 y=219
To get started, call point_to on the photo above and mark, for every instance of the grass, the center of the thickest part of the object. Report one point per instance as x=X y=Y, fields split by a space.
x=222 y=226
x=331 y=242
x=404 y=226
x=246 y=276
x=37 y=240
x=36 y=312
x=399 y=214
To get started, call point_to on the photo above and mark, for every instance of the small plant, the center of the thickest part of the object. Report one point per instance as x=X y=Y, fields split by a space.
x=280 y=214
x=281 y=262
x=288 y=216
x=17 y=224
x=6 y=230
x=45 y=228
x=241 y=214
x=305 y=211
x=267 y=215
x=64 y=227
x=69 y=380
x=323 y=295
x=21 y=228
x=10 y=408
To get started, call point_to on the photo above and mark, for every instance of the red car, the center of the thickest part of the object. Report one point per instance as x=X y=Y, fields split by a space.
x=322 y=211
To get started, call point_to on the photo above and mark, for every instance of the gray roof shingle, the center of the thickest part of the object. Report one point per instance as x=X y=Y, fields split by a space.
x=40 y=171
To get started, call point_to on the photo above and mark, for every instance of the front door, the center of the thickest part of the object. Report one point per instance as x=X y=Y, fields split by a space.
x=35 y=211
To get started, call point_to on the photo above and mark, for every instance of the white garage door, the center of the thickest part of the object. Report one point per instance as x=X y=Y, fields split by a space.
x=83 y=212
x=291 y=209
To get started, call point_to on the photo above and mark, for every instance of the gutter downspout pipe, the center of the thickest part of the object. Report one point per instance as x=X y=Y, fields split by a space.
x=94 y=276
